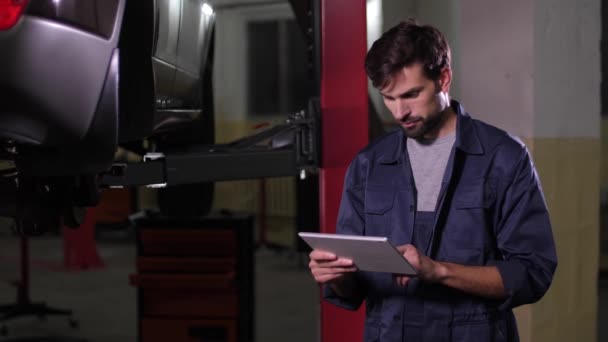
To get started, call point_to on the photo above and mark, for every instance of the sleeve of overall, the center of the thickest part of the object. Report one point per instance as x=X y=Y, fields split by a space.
x=524 y=237
x=351 y=221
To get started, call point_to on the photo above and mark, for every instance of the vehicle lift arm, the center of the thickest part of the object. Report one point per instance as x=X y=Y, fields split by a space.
x=288 y=149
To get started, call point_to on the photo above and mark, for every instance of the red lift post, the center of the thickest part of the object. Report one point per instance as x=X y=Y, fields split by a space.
x=344 y=130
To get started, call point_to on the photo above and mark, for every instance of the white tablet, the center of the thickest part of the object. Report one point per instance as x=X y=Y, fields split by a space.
x=368 y=253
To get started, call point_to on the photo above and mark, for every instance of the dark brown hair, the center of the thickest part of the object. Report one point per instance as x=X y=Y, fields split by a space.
x=403 y=45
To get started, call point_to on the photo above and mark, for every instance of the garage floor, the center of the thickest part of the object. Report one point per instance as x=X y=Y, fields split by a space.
x=104 y=304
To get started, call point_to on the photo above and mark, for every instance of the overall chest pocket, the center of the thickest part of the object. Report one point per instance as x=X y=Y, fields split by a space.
x=378 y=204
x=470 y=216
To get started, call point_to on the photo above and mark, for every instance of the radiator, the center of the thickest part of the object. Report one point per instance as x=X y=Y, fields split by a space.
x=279 y=197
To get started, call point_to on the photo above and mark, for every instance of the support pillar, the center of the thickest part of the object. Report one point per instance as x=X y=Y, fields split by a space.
x=344 y=130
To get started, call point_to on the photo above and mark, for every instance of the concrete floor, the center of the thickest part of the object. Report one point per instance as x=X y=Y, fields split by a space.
x=104 y=304
x=287 y=298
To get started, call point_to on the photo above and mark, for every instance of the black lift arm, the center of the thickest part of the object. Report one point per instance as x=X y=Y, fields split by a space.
x=288 y=149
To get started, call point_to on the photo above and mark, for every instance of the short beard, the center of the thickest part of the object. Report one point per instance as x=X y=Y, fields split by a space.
x=429 y=125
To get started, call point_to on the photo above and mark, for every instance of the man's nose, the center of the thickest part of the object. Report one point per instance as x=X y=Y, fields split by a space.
x=402 y=110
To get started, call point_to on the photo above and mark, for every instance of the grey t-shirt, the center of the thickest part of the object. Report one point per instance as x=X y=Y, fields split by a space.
x=429 y=159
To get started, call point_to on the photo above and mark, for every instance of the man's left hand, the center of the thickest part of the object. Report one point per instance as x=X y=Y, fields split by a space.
x=428 y=269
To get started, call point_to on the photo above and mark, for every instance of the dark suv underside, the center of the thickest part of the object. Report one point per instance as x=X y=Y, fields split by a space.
x=81 y=78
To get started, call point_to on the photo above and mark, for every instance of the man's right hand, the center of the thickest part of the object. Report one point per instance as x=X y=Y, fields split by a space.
x=328 y=268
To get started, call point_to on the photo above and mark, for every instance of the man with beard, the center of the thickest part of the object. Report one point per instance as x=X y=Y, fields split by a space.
x=460 y=198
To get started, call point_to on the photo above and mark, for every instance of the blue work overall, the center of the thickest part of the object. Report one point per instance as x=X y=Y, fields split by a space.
x=490 y=212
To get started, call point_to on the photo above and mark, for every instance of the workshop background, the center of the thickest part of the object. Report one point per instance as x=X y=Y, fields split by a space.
x=537 y=69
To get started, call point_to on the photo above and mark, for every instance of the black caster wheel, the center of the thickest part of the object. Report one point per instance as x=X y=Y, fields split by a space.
x=74 y=324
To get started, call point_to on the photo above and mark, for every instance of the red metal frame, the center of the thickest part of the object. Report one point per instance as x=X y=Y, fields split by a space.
x=344 y=130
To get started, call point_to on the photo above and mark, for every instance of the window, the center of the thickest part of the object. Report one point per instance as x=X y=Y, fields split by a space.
x=279 y=81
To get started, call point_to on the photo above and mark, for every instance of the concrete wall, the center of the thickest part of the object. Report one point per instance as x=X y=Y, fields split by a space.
x=533 y=68
x=567 y=68
x=497 y=63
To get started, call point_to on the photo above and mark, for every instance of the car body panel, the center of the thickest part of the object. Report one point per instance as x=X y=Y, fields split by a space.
x=193 y=51
x=72 y=91
x=43 y=68
x=168 y=14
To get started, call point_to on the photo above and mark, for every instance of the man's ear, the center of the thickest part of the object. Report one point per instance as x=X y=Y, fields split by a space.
x=445 y=79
